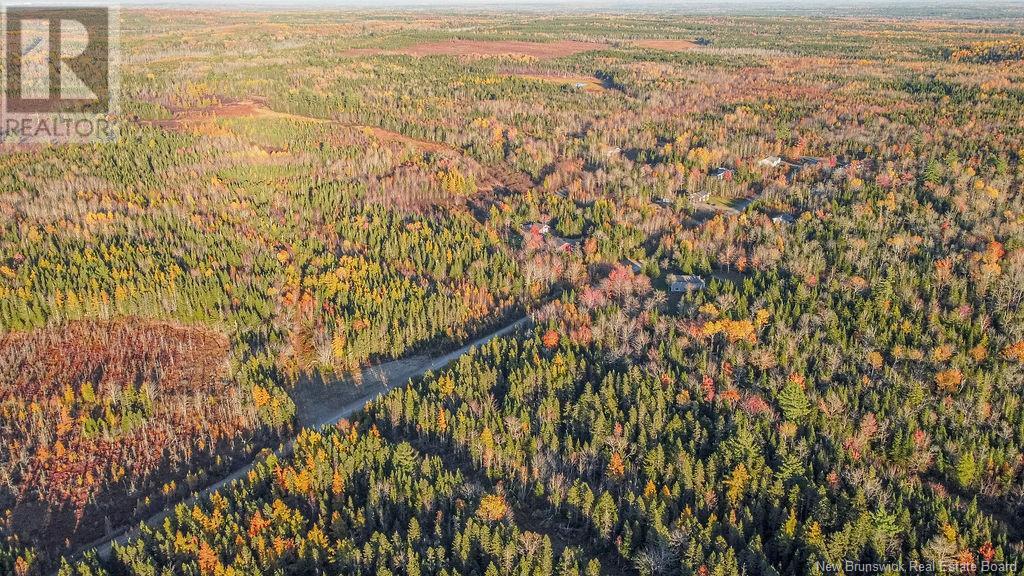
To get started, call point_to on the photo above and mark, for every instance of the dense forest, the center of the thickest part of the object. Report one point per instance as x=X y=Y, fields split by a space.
x=773 y=267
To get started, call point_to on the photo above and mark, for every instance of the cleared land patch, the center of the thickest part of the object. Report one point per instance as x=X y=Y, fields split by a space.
x=252 y=109
x=488 y=178
x=103 y=419
x=586 y=83
x=383 y=135
x=669 y=45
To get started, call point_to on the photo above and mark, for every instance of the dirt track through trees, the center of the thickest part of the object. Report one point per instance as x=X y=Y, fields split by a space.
x=340 y=399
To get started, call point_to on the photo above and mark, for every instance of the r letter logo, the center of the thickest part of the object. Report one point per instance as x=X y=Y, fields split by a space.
x=58 y=71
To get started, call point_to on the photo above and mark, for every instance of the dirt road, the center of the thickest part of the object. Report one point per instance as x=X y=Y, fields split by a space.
x=329 y=404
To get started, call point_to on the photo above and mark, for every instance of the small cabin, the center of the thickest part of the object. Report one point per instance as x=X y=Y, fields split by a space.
x=566 y=245
x=687 y=283
x=806 y=162
x=724 y=173
x=786 y=219
x=771 y=161
x=538 y=228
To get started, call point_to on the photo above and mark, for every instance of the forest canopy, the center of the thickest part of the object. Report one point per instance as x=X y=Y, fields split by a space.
x=761 y=280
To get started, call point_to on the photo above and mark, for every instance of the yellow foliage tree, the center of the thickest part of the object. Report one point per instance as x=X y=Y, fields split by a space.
x=616 y=467
x=492 y=508
x=737 y=483
x=1015 y=351
x=949 y=380
x=260 y=396
x=209 y=562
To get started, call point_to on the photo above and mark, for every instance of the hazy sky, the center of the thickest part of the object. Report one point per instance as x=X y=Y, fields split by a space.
x=624 y=4
x=897 y=8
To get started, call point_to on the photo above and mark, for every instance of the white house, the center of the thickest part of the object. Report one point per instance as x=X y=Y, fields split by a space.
x=687 y=283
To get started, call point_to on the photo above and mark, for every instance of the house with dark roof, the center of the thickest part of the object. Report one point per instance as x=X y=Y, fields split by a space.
x=566 y=244
x=724 y=173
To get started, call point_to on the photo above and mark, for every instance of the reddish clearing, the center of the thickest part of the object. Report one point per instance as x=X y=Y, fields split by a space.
x=383 y=135
x=101 y=414
x=670 y=45
x=252 y=109
x=489 y=179
x=185 y=117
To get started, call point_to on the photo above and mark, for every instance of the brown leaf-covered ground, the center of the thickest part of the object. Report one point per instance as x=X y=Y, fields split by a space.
x=94 y=412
